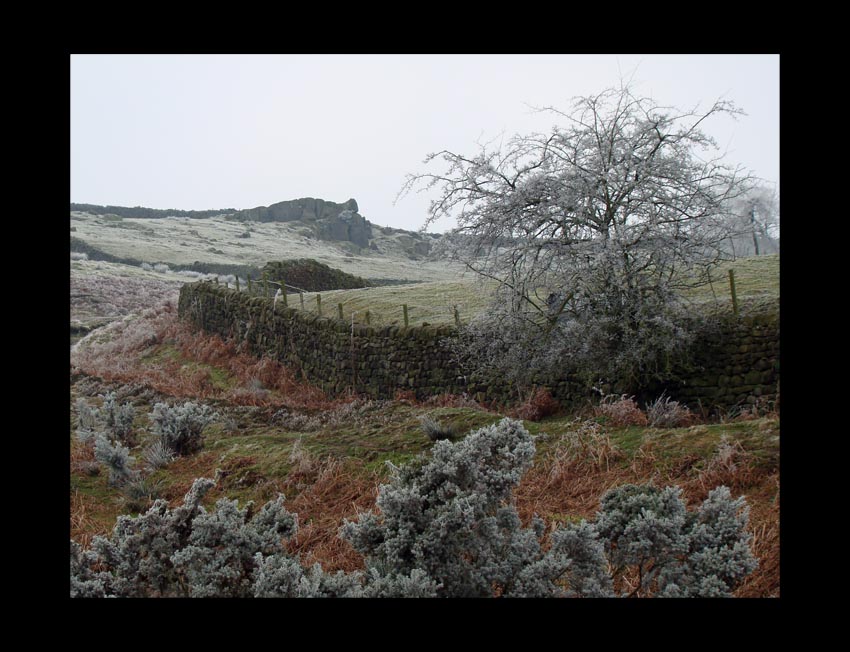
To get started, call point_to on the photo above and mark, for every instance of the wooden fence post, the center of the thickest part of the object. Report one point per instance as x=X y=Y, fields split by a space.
x=368 y=319
x=404 y=307
x=339 y=305
x=457 y=317
x=265 y=285
x=301 y=294
x=319 y=304
x=249 y=285
x=237 y=284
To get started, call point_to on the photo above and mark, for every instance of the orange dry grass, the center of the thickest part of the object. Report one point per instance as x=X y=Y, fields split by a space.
x=81 y=455
x=340 y=491
x=85 y=523
x=560 y=485
x=250 y=380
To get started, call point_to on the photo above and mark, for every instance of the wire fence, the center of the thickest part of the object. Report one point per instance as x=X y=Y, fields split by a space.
x=384 y=314
x=403 y=314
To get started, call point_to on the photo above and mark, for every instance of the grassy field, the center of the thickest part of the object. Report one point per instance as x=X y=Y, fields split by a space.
x=756 y=279
x=432 y=303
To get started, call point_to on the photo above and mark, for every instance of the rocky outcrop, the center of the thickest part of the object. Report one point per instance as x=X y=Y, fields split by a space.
x=306 y=209
x=348 y=226
x=331 y=221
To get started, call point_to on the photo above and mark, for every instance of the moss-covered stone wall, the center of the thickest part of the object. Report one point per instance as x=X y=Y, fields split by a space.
x=735 y=364
x=332 y=354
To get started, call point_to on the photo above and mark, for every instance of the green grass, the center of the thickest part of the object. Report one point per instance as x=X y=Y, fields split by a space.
x=755 y=277
x=431 y=303
x=759 y=437
x=756 y=283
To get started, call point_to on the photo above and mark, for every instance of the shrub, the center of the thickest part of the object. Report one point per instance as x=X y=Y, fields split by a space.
x=158 y=455
x=87 y=422
x=676 y=553
x=621 y=411
x=114 y=457
x=113 y=420
x=180 y=427
x=666 y=413
x=446 y=527
x=448 y=518
x=78 y=255
x=538 y=405
x=187 y=551
x=119 y=418
x=435 y=430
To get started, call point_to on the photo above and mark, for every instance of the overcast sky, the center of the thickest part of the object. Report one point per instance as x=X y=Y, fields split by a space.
x=215 y=131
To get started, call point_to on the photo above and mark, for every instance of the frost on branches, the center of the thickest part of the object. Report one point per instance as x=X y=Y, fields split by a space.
x=180 y=427
x=590 y=232
x=445 y=527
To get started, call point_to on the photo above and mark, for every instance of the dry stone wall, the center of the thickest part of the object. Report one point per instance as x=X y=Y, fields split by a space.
x=332 y=354
x=735 y=364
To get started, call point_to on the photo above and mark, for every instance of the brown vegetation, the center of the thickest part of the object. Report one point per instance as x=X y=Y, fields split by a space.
x=159 y=351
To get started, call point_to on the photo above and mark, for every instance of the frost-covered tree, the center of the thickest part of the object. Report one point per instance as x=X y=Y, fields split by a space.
x=590 y=232
x=753 y=227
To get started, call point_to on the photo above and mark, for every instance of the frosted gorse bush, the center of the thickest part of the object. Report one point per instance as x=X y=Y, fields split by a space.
x=114 y=457
x=676 y=553
x=87 y=421
x=181 y=427
x=118 y=418
x=445 y=526
x=449 y=518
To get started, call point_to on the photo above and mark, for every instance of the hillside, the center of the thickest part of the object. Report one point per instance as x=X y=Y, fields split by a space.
x=272 y=433
x=181 y=241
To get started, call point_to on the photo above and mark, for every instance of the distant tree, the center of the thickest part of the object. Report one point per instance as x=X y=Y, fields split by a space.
x=754 y=223
x=590 y=231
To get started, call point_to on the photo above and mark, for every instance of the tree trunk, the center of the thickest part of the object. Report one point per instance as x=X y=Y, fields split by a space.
x=753 y=224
